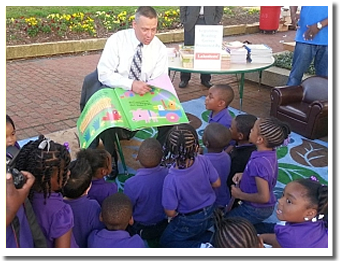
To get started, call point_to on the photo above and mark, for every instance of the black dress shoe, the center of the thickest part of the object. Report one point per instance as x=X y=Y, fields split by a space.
x=183 y=84
x=207 y=84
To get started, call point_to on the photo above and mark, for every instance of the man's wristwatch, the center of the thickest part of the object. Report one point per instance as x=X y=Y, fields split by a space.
x=319 y=25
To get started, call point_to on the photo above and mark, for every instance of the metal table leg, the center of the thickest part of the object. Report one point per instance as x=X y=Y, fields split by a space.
x=241 y=90
x=121 y=155
x=260 y=80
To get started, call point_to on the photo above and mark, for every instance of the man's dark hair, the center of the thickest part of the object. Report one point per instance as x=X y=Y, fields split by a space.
x=146 y=11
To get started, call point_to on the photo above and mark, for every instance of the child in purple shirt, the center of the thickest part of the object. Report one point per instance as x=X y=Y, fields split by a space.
x=11 y=137
x=116 y=215
x=100 y=161
x=219 y=98
x=145 y=191
x=85 y=210
x=188 y=195
x=259 y=178
x=304 y=207
x=48 y=161
x=215 y=138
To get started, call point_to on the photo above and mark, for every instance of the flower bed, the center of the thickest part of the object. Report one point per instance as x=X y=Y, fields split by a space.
x=59 y=27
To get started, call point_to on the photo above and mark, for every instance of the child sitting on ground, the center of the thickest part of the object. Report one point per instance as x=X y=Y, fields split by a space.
x=188 y=196
x=240 y=153
x=234 y=232
x=11 y=137
x=48 y=161
x=259 y=178
x=116 y=215
x=304 y=207
x=218 y=99
x=215 y=138
x=145 y=191
x=85 y=210
x=100 y=162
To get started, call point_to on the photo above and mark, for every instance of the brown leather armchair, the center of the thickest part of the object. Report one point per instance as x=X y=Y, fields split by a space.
x=304 y=107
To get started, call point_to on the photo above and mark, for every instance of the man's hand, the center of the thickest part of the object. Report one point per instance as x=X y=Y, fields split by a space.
x=140 y=87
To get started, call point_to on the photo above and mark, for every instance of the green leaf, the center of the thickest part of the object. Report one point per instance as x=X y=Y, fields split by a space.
x=290 y=172
x=146 y=133
x=281 y=152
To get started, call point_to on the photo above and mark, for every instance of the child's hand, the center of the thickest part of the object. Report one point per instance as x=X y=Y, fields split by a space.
x=236 y=192
x=237 y=177
x=229 y=149
x=200 y=150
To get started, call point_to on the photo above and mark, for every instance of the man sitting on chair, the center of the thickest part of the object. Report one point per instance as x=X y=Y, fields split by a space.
x=130 y=59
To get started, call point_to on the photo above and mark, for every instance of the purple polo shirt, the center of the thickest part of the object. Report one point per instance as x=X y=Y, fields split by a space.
x=86 y=218
x=261 y=164
x=114 y=239
x=302 y=235
x=145 y=191
x=55 y=217
x=26 y=238
x=223 y=117
x=101 y=189
x=222 y=162
x=187 y=190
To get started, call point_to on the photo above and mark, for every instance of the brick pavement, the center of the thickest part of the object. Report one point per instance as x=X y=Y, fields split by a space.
x=42 y=95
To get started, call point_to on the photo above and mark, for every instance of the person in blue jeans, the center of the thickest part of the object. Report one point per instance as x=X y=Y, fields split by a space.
x=311 y=42
x=188 y=196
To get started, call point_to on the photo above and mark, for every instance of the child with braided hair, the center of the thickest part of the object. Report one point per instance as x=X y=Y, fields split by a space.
x=259 y=178
x=188 y=196
x=48 y=161
x=234 y=232
x=100 y=161
x=304 y=207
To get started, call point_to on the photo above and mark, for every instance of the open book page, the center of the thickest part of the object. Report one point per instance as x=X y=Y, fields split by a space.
x=102 y=111
x=159 y=107
x=164 y=83
x=109 y=108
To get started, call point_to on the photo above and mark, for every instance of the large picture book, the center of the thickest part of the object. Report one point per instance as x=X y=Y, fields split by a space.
x=116 y=107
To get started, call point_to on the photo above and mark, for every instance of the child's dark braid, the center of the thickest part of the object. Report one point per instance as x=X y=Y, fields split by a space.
x=274 y=131
x=181 y=145
x=42 y=157
x=317 y=194
x=233 y=232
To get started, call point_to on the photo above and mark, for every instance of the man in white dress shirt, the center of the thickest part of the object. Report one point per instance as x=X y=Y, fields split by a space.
x=114 y=67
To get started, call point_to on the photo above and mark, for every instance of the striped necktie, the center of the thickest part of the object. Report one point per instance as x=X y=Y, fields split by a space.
x=136 y=66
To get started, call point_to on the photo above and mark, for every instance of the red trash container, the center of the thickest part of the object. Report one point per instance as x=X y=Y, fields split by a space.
x=269 y=18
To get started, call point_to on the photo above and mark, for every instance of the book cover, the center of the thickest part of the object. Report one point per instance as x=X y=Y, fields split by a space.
x=116 y=107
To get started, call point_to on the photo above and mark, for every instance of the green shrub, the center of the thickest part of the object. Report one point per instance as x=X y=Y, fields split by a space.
x=285 y=60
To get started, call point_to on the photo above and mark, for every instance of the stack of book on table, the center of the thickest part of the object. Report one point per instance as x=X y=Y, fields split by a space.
x=187 y=56
x=238 y=54
x=225 y=60
x=259 y=53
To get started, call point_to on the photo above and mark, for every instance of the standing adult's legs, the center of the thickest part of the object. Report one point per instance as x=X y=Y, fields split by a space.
x=302 y=58
x=321 y=61
x=189 y=39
